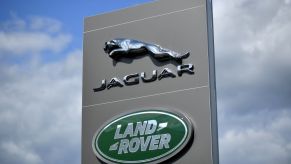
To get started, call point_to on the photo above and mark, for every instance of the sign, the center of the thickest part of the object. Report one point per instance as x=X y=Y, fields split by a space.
x=130 y=49
x=145 y=136
x=146 y=69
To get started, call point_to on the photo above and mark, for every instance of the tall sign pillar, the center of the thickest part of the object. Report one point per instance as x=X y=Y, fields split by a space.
x=149 y=85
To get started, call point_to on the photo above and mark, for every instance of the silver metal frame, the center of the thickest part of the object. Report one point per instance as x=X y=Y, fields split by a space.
x=212 y=83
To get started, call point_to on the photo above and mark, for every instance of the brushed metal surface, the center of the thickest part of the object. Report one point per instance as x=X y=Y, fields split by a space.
x=180 y=25
x=139 y=12
x=193 y=103
x=173 y=31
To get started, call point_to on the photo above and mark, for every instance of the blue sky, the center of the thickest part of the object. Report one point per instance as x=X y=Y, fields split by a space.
x=41 y=72
x=70 y=14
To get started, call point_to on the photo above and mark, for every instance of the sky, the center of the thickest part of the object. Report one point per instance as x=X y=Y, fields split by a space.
x=41 y=73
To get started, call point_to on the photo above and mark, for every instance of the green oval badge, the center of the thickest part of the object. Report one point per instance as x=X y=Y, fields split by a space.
x=145 y=136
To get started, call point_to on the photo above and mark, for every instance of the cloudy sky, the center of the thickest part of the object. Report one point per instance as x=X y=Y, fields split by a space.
x=41 y=69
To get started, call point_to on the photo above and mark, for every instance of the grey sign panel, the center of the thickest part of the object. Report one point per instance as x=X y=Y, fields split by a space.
x=181 y=26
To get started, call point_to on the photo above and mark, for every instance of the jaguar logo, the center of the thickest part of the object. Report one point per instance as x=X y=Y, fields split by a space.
x=129 y=48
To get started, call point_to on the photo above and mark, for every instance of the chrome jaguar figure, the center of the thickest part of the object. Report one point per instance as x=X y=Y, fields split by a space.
x=129 y=48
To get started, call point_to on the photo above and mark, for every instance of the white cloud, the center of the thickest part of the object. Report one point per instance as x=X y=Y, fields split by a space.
x=256 y=56
x=31 y=42
x=22 y=154
x=266 y=144
x=43 y=23
x=32 y=36
x=252 y=51
x=41 y=111
x=40 y=101
x=253 y=45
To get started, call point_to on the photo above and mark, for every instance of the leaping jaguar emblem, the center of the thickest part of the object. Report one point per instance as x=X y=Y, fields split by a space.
x=129 y=48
